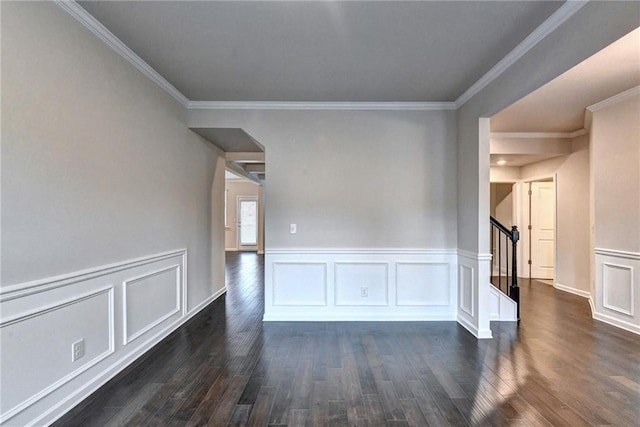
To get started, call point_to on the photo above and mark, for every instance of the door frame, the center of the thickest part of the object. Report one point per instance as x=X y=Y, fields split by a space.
x=239 y=244
x=522 y=216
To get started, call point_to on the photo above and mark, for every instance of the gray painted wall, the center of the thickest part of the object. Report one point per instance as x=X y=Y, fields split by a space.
x=98 y=168
x=97 y=164
x=353 y=179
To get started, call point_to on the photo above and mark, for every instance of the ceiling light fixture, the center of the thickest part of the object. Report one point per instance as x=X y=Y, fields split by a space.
x=502 y=162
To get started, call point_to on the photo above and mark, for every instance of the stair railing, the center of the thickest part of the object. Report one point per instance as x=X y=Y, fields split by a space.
x=500 y=234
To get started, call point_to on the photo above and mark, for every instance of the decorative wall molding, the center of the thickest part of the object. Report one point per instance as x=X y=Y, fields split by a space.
x=64 y=297
x=360 y=251
x=29 y=288
x=348 y=292
x=286 y=290
x=126 y=338
x=418 y=297
x=474 y=255
x=395 y=290
x=617 y=253
x=538 y=135
x=622 y=96
x=93 y=25
x=109 y=291
x=561 y=15
x=321 y=106
x=466 y=292
x=616 y=300
x=607 y=269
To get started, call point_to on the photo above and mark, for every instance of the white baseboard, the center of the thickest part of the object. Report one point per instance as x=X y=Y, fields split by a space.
x=617 y=322
x=480 y=334
x=571 y=290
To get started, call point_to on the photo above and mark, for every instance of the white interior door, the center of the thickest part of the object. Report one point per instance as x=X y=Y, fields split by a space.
x=542 y=230
x=247 y=221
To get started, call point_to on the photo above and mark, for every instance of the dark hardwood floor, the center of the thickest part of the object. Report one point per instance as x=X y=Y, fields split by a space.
x=226 y=367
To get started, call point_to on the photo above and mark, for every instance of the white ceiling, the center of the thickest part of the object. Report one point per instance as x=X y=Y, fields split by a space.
x=322 y=51
x=559 y=106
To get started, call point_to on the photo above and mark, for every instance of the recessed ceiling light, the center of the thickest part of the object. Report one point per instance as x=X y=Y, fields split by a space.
x=502 y=162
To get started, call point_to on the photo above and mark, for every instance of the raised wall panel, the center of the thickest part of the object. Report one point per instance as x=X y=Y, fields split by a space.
x=423 y=284
x=299 y=283
x=616 y=299
x=617 y=288
x=36 y=346
x=327 y=284
x=466 y=294
x=140 y=301
x=351 y=277
x=139 y=316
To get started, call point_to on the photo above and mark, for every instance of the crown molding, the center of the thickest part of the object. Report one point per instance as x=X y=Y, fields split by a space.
x=327 y=106
x=538 y=135
x=564 y=12
x=615 y=99
x=93 y=25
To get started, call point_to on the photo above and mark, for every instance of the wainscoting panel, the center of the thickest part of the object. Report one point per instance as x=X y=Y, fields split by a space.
x=466 y=289
x=423 y=284
x=360 y=284
x=40 y=341
x=616 y=289
x=299 y=283
x=119 y=311
x=139 y=316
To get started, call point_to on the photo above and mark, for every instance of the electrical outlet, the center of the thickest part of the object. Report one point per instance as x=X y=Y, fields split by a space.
x=77 y=350
x=364 y=291
x=293 y=228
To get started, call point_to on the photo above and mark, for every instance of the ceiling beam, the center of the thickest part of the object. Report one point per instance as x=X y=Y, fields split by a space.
x=244 y=157
x=235 y=168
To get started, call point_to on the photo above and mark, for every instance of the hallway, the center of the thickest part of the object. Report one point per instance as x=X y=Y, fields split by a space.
x=227 y=367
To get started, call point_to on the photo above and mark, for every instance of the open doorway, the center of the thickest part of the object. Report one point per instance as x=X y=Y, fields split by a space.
x=244 y=215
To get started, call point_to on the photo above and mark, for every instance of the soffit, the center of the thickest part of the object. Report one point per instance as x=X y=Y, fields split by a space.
x=559 y=106
x=324 y=51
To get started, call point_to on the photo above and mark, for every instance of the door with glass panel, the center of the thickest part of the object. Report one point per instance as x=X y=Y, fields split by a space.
x=247 y=222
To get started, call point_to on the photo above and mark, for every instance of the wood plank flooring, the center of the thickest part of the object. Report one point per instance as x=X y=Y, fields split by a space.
x=225 y=367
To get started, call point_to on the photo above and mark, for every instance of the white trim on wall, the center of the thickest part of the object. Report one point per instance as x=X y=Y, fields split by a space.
x=50 y=283
x=616 y=300
x=336 y=294
x=562 y=14
x=622 y=96
x=31 y=314
x=126 y=338
x=69 y=385
x=321 y=106
x=571 y=290
x=96 y=27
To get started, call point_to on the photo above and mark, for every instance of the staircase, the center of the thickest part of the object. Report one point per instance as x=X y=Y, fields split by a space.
x=505 y=293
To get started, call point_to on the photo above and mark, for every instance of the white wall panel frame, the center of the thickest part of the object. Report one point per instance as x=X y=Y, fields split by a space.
x=31 y=314
x=339 y=290
x=616 y=282
x=341 y=308
x=128 y=336
x=445 y=283
x=29 y=301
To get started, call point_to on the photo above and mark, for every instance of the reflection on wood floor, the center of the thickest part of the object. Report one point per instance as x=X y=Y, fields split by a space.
x=226 y=367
